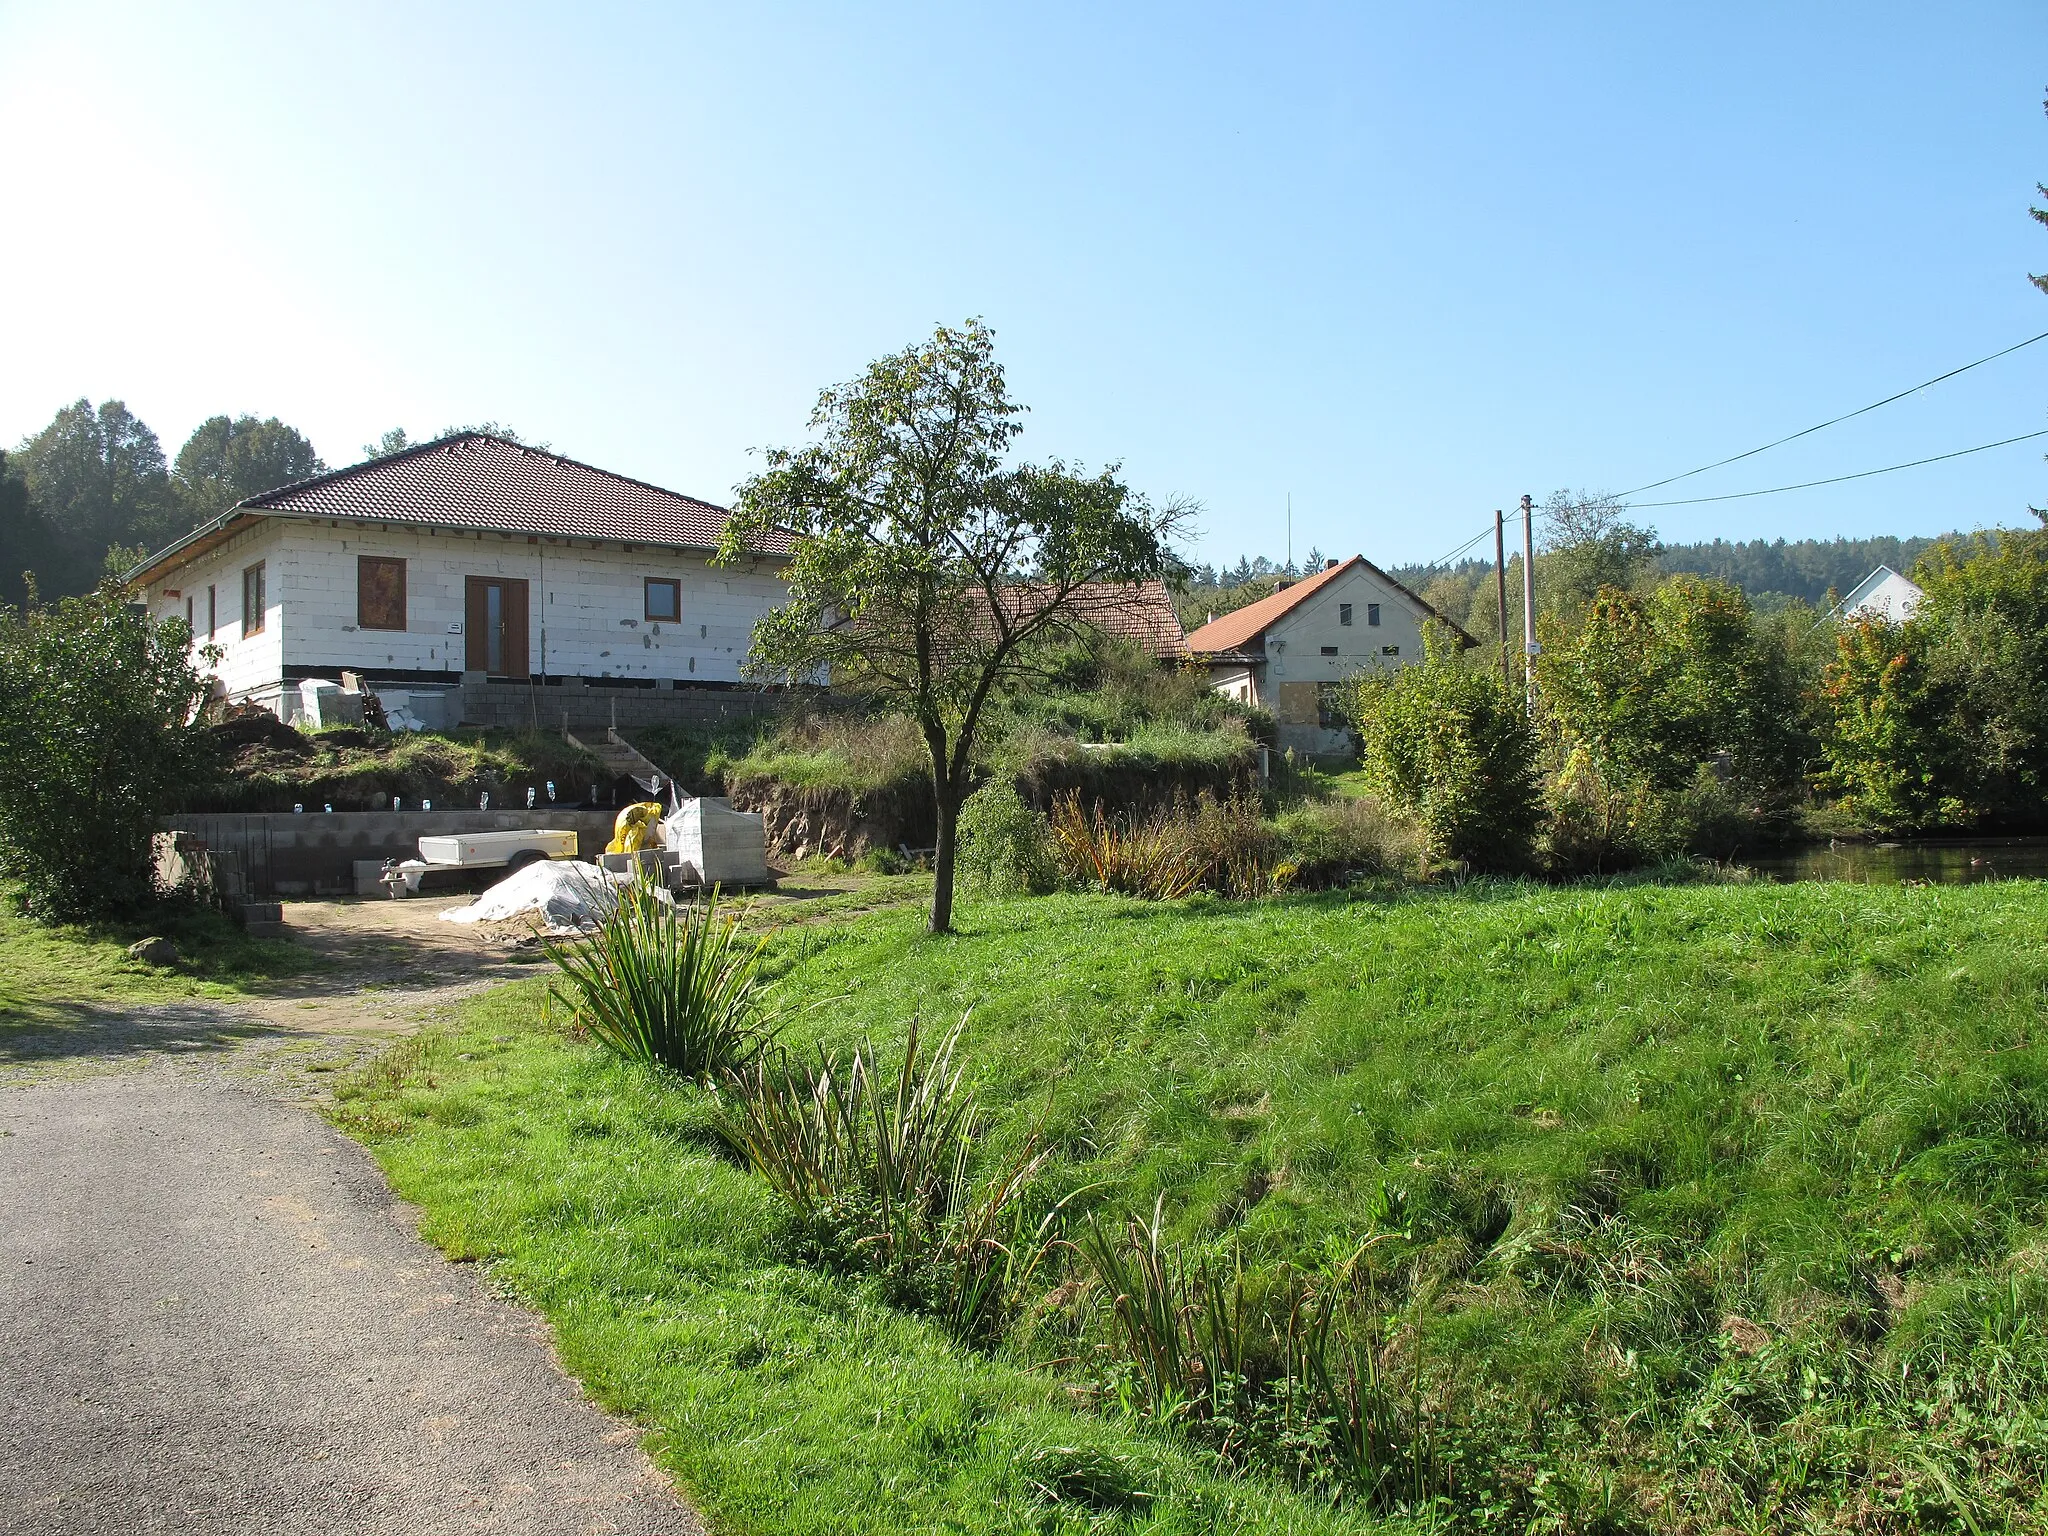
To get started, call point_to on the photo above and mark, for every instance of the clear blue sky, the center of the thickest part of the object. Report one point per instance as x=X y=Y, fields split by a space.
x=1402 y=262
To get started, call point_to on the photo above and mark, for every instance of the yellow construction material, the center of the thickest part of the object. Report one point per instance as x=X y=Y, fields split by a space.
x=637 y=826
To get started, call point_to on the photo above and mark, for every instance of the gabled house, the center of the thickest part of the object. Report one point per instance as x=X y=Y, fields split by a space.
x=1883 y=594
x=1290 y=651
x=470 y=560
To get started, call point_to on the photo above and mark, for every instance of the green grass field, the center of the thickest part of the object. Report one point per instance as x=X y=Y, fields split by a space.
x=49 y=973
x=1711 y=1207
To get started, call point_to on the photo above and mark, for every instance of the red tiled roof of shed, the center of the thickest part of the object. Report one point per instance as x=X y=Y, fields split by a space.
x=1140 y=612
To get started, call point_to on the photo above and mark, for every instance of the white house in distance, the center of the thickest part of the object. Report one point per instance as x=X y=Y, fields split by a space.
x=1288 y=651
x=465 y=560
x=1883 y=594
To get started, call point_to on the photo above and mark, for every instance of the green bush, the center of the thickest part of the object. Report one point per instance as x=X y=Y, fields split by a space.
x=97 y=702
x=1454 y=749
x=673 y=985
x=1003 y=841
x=1600 y=824
x=1330 y=842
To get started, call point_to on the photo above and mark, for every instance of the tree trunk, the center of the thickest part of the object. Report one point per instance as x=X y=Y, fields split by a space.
x=942 y=859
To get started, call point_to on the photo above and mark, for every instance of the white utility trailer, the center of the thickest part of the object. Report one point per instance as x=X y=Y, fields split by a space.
x=511 y=851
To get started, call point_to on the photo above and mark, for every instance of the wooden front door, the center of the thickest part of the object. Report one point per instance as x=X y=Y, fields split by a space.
x=495 y=626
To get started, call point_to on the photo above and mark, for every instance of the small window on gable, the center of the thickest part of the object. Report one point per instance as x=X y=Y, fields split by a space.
x=1329 y=650
x=252 y=599
x=1372 y=614
x=212 y=611
x=1390 y=650
x=1344 y=614
x=664 y=600
x=188 y=615
x=380 y=592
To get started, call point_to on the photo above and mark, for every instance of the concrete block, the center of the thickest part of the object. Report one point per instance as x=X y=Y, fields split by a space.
x=261 y=919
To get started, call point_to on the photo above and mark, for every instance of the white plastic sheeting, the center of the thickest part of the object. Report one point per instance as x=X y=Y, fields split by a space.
x=569 y=896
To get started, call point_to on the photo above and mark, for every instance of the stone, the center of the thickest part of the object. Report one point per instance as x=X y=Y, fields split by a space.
x=156 y=950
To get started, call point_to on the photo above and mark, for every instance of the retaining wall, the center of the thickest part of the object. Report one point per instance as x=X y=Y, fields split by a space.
x=314 y=854
x=579 y=707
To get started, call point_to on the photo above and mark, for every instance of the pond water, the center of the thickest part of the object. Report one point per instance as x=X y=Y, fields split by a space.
x=1939 y=861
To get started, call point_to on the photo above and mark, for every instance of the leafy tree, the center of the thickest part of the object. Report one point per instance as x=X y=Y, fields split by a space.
x=37 y=555
x=394 y=441
x=98 y=475
x=1943 y=721
x=1652 y=686
x=96 y=704
x=1452 y=746
x=1589 y=544
x=928 y=570
x=1888 y=751
x=226 y=460
x=492 y=429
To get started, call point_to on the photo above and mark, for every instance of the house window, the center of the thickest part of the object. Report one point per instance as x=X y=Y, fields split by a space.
x=1372 y=614
x=212 y=612
x=1344 y=614
x=1329 y=650
x=188 y=615
x=1390 y=650
x=252 y=599
x=664 y=600
x=380 y=592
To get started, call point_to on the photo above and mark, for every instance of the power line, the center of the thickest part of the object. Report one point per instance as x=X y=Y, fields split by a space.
x=1806 y=485
x=1447 y=559
x=1809 y=431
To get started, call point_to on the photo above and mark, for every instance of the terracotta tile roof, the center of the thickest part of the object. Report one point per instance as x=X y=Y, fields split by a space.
x=1140 y=612
x=1247 y=626
x=475 y=481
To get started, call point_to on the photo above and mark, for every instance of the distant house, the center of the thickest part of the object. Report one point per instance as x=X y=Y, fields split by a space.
x=470 y=560
x=1883 y=594
x=1289 y=652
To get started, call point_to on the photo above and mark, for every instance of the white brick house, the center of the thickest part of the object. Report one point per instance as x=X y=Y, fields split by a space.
x=1288 y=651
x=466 y=559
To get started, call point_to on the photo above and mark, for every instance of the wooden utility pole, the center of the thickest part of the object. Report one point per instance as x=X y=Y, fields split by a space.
x=1500 y=586
x=1529 y=647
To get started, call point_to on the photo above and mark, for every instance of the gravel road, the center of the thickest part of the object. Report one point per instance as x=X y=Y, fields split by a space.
x=215 y=1318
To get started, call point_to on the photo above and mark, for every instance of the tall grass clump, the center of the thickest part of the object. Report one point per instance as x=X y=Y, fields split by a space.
x=1131 y=856
x=672 y=985
x=1283 y=1371
x=879 y=1174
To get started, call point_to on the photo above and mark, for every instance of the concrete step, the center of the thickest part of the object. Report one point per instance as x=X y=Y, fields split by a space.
x=622 y=760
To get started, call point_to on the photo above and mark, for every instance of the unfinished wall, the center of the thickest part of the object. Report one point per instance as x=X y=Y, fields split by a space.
x=315 y=853
x=586 y=603
x=248 y=661
x=579 y=708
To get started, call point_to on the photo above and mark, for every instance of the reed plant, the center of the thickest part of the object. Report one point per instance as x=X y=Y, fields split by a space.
x=878 y=1172
x=671 y=984
x=1284 y=1371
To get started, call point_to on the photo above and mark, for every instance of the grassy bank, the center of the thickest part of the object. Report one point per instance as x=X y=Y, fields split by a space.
x=1686 y=1208
x=48 y=972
